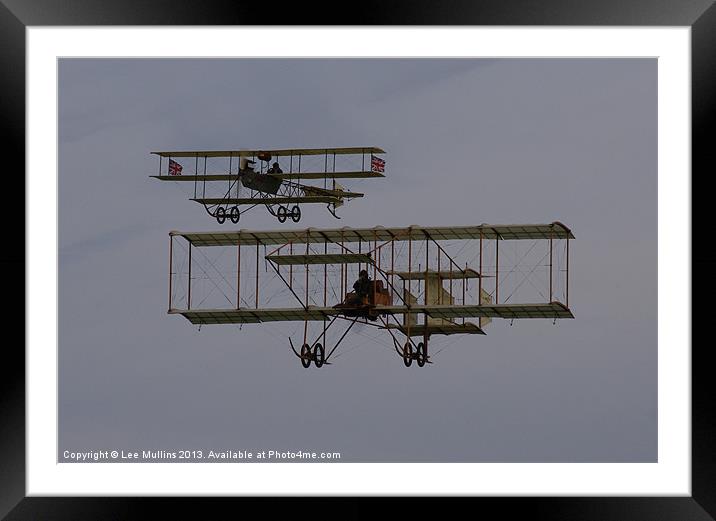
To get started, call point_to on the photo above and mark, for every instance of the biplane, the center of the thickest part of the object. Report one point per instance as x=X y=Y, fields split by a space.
x=422 y=282
x=275 y=179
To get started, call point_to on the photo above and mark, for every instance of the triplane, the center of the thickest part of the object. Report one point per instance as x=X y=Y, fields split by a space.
x=276 y=182
x=412 y=282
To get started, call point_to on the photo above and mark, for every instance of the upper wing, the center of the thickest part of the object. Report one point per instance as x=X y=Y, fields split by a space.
x=554 y=230
x=289 y=175
x=276 y=152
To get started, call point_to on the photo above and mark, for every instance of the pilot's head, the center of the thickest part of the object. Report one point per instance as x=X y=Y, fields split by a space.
x=275 y=165
x=363 y=273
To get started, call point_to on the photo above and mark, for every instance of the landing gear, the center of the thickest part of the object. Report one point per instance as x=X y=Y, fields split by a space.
x=296 y=213
x=316 y=352
x=317 y=355
x=282 y=213
x=235 y=214
x=220 y=215
x=408 y=354
x=420 y=355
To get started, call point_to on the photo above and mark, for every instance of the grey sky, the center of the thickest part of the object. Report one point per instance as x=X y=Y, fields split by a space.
x=467 y=141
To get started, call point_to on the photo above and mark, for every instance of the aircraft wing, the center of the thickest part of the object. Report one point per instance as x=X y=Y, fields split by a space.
x=273 y=152
x=554 y=230
x=328 y=175
x=266 y=200
x=254 y=316
x=551 y=310
x=288 y=175
x=199 y=177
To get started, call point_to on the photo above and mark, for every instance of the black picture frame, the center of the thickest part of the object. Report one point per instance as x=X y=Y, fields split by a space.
x=16 y=15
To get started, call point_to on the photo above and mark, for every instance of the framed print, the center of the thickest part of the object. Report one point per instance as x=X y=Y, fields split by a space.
x=503 y=311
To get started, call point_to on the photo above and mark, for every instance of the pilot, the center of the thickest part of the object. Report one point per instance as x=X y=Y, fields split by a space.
x=275 y=169
x=361 y=287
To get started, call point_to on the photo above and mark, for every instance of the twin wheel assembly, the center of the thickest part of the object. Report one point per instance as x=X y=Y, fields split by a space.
x=234 y=214
x=420 y=355
x=317 y=355
x=282 y=214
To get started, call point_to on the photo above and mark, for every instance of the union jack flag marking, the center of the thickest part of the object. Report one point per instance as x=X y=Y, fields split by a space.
x=377 y=164
x=174 y=168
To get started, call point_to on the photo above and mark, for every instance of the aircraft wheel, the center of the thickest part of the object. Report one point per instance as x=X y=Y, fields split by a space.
x=235 y=214
x=296 y=213
x=282 y=213
x=319 y=355
x=408 y=354
x=422 y=355
x=220 y=215
x=305 y=355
